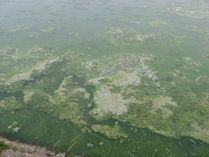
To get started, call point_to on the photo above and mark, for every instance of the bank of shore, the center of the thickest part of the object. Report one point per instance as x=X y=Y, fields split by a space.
x=21 y=149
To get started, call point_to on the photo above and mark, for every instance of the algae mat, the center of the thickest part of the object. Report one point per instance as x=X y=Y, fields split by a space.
x=43 y=129
x=129 y=78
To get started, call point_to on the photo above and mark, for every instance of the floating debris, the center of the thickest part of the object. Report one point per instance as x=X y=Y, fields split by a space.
x=89 y=144
x=10 y=126
x=192 y=140
x=15 y=129
x=15 y=123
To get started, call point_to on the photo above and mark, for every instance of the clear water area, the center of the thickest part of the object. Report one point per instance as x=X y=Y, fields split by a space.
x=42 y=129
x=86 y=26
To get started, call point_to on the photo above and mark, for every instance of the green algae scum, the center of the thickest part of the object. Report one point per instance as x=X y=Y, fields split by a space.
x=118 y=78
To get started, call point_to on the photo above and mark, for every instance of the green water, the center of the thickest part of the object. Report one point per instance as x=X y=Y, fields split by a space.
x=128 y=78
x=42 y=129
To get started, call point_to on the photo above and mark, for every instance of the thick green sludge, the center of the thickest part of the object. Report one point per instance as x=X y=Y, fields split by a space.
x=125 y=89
x=66 y=89
x=38 y=128
x=42 y=129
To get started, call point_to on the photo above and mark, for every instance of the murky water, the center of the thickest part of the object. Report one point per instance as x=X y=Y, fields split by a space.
x=128 y=78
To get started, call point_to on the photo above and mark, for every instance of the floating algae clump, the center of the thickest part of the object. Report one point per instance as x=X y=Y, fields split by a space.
x=49 y=30
x=108 y=103
x=10 y=103
x=111 y=132
x=159 y=22
x=189 y=11
x=26 y=76
x=34 y=35
x=123 y=78
x=129 y=36
x=15 y=29
x=161 y=103
x=124 y=88
x=193 y=28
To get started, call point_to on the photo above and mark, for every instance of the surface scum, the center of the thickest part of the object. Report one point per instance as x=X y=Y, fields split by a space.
x=139 y=87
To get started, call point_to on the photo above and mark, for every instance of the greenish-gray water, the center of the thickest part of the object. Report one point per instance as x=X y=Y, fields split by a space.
x=130 y=78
